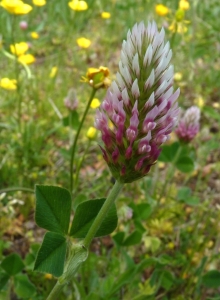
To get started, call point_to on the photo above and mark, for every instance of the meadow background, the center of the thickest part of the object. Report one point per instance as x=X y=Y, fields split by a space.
x=167 y=243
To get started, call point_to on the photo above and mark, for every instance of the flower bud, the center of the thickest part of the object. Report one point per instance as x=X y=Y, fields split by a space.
x=23 y=25
x=188 y=126
x=140 y=109
x=71 y=101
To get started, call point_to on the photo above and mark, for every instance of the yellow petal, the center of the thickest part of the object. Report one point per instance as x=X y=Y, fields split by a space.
x=91 y=133
x=39 y=2
x=26 y=59
x=78 y=5
x=83 y=42
x=105 y=15
x=19 y=48
x=95 y=103
x=161 y=10
x=8 y=84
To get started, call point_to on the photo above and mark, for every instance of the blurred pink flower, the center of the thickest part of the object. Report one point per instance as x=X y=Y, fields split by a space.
x=188 y=126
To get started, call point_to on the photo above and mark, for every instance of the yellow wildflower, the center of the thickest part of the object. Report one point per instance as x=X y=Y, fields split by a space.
x=39 y=2
x=199 y=101
x=97 y=77
x=91 y=133
x=53 y=72
x=184 y=5
x=105 y=15
x=178 y=76
x=83 y=42
x=19 y=48
x=78 y=5
x=161 y=10
x=26 y=59
x=34 y=35
x=8 y=84
x=16 y=7
x=178 y=27
x=95 y=103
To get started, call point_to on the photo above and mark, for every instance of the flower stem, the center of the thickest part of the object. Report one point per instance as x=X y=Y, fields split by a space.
x=102 y=213
x=73 y=150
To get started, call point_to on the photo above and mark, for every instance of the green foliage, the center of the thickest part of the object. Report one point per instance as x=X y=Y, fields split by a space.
x=12 y=264
x=85 y=215
x=51 y=255
x=53 y=207
x=23 y=287
x=212 y=279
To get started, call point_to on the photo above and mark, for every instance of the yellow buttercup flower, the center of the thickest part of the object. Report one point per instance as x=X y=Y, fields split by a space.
x=39 y=2
x=161 y=10
x=53 y=72
x=83 y=42
x=19 y=48
x=105 y=15
x=184 y=5
x=91 y=133
x=26 y=59
x=34 y=35
x=95 y=103
x=78 y=5
x=8 y=84
x=16 y=7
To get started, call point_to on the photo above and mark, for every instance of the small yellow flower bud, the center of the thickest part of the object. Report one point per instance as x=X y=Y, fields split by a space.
x=105 y=15
x=91 y=133
x=178 y=76
x=161 y=10
x=34 y=35
x=184 y=5
x=95 y=103
x=180 y=14
x=83 y=42
x=53 y=72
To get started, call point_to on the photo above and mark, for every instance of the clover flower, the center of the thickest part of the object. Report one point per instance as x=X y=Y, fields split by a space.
x=140 y=109
x=188 y=126
x=23 y=25
x=71 y=101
